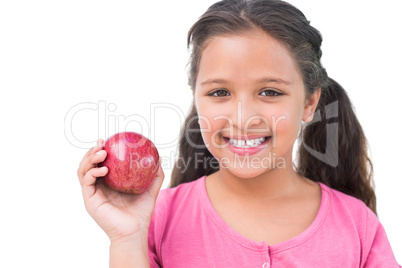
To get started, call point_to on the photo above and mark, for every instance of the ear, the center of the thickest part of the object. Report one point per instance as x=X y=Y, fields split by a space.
x=311 y=105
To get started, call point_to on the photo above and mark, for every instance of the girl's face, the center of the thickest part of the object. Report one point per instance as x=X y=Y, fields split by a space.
x=250 y=101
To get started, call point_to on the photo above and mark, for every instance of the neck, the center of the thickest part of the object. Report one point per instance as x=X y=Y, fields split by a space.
x=275 y=184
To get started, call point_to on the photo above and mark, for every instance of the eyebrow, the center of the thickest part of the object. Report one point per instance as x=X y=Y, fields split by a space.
x=262 y=80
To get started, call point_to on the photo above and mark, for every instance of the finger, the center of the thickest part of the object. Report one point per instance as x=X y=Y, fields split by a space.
x=160 y=172
x=88 y=183
x=81 y=170
x=91 y=160
x=96 y=158
x=97 y=147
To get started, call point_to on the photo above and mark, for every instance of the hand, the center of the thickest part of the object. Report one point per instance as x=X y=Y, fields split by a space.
x=120 y=215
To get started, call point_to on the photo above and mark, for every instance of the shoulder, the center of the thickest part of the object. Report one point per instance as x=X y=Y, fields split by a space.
x=171 y=206
x=178 y=198
x=182 y=191
x=174 y=201
x=352 y=214
x=175 y=207
x=346 y=204
x=348 y=212
x=350 y=218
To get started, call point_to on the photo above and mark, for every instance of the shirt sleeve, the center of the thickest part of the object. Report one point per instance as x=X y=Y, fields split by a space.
x=153 y=257
x=154 y=234
x=377 y=247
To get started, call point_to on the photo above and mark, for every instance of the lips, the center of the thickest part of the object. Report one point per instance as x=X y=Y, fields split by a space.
x=246 y=145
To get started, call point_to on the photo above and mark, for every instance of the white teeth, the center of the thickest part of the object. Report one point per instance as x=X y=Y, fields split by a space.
x=246 y=143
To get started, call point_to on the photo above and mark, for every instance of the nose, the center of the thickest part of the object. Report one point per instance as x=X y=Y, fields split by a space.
x=246 y=117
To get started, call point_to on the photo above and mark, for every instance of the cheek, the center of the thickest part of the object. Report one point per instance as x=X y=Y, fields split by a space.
x=285 y=124
x=211 y=116
x=210 y=122
x=205 y=117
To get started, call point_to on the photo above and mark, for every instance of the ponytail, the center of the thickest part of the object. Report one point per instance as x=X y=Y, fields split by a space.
x=336 y=138
x=194 y=160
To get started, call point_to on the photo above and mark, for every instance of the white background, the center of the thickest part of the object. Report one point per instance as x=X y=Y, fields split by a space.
x=127 y=55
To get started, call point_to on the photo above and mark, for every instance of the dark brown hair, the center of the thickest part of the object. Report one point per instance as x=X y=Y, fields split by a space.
x=339 y=161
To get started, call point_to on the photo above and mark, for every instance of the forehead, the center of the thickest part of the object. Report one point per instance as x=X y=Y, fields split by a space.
x=246 y=56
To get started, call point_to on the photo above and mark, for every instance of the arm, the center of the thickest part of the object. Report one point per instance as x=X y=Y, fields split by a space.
x=377 y=246
x=125 y=218
x=131 y=252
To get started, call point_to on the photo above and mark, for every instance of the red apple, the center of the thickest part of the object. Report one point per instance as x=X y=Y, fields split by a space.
x=132 y=161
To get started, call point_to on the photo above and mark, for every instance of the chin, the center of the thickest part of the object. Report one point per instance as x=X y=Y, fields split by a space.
x=246 y=173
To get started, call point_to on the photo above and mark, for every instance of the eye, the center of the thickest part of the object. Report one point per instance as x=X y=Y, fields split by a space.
x=271 y=93
x=219 y=93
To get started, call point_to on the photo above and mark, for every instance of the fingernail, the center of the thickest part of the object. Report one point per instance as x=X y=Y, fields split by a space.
x=99 y=152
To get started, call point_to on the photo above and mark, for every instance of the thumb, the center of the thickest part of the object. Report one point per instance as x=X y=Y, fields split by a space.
x=156 y=185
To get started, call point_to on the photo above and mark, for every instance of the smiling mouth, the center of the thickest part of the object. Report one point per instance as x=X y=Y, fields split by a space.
x=249 y=143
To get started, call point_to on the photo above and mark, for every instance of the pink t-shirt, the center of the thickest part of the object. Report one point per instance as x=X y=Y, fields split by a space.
x=186 y=231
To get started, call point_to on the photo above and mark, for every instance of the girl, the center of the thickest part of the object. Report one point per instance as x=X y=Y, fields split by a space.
x=258 y=85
